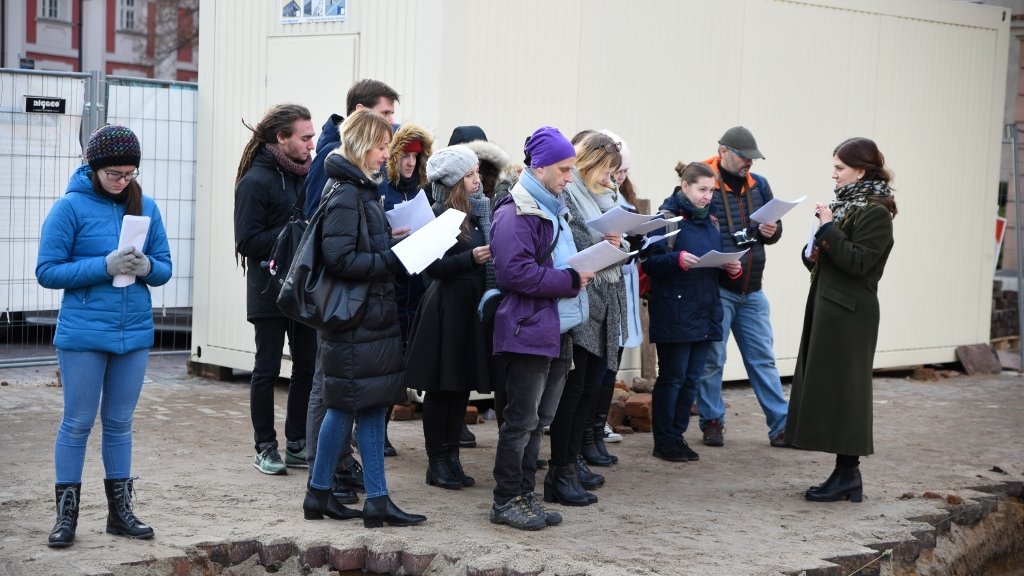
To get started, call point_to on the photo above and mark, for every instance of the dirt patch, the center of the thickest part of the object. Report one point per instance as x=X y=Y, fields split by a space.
x=739 y=510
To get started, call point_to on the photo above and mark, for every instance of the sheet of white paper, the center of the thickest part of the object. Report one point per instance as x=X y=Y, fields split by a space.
x=430 y=242
x=653 y=225
x=597 y=257
x=652 y=239
x=774 y=210
x=810 y=240
x=618 y=220
x=715 y=259
x=415 y=213
x=134 y=230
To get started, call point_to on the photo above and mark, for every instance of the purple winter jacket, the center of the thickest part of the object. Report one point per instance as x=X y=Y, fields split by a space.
x=526 y=321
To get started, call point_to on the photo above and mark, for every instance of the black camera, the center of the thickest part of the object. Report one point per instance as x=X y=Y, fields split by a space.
x=745 y=236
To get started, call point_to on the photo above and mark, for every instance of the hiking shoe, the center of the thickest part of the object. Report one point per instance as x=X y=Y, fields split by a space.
x=295 y=459
x=714 y=433
x=610 y=437
x=269 y=462
x=517 y=513
x=551 y=518
x=779 y=440
x=685 y=450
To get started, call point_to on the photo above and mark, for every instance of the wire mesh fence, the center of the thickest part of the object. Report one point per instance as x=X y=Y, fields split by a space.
x=38 y=153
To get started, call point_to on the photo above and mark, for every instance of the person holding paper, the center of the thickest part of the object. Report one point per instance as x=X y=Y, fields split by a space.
x=596 y=340
x=685 y=308
x=104 y=333
x=363 y=367
x=449 y=345
x=530 y=239
x=830 y=408
x=738 y=193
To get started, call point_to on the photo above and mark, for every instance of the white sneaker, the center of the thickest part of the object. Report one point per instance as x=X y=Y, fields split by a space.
x=610 y=437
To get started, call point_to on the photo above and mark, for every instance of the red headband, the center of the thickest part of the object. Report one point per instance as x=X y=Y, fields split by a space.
x=413 y=147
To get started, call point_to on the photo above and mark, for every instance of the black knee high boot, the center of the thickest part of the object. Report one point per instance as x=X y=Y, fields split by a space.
x=121 y=520
x=63 y=533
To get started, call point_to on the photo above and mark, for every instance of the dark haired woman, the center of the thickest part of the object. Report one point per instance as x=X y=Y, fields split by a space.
x=830 y=405
x=685 y=308
x=105 y=325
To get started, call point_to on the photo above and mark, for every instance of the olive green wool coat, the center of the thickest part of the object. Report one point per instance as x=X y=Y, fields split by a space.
x=830 y=406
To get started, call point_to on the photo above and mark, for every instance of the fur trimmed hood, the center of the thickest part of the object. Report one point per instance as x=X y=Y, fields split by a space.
x=491 y=153
x=407 y=133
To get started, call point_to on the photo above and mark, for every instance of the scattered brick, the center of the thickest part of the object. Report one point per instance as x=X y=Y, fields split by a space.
x=472 y=415
x=932 y=495
x=907 y=496
x=402 y=412
x=620 y=385
x=640 y=424
x=921 y=373
x=643 y=385
x=954 y=500
x=623 y=429
x=638 y=406
x=616 y=414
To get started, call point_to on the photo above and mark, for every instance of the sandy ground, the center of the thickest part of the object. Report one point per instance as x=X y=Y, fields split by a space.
x=739 y=510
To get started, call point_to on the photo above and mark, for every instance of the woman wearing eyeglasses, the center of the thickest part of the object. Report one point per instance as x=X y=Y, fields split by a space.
x=595 y=341
x=105 y=324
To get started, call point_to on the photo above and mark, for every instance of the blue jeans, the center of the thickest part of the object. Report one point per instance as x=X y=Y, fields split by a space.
x=680 y=367
x=109 y=383
x=749 y=318
x=336 y=427
x=533 y=386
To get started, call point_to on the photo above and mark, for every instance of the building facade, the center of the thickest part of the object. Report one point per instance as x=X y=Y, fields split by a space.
x=144 y=38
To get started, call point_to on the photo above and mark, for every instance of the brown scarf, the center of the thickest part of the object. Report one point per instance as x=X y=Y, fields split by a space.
x=286 y=162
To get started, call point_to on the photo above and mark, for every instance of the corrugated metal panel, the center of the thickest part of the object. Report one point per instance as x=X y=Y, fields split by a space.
x=925 y=78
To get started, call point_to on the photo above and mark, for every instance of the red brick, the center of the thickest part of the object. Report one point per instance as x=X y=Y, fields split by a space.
x=623 y=429
x=640 y=424
x=379 y=562
x=348 y=559
x=472 y=415
x=638 y=406
x=403 y=412
x=620 y=385
x=416 y=564
x=276 y=552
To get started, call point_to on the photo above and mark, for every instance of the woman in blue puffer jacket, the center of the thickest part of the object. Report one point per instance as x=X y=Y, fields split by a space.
x=105 y=324
x=685 y=308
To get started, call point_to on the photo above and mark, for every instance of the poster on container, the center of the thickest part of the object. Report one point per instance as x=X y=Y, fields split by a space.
x=300 y=11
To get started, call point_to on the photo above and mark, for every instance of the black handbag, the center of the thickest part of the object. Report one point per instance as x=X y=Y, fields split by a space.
x=286 y=245
x=312 y=295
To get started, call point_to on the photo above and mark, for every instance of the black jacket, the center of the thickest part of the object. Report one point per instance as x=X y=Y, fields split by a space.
x=363 y=367
x=329 y=139
x=741 y=204
x=264 y=198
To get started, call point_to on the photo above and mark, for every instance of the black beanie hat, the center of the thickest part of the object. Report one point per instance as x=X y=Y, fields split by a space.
x=113 y=146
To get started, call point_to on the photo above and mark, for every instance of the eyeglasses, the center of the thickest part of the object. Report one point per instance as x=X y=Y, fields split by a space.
x=113 y=176
x=610 y=147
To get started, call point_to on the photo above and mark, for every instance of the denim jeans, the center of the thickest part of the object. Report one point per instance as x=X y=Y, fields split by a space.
x=371 y=448
x=109 y=383
x=270 y=334
x=315 y=413
x=749 y=318
x=533 y=386
x=680 y=367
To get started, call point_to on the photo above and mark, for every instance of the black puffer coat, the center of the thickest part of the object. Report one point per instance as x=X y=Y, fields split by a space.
x=264 y=198
x=363 y=367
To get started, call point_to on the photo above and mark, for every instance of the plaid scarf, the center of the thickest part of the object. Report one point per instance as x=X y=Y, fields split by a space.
x=854 y=196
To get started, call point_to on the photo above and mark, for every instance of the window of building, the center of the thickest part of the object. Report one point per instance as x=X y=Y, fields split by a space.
x=129 y=15
x=53 y=9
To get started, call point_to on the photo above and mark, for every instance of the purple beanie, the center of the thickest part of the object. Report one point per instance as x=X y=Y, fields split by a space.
x=548 y=146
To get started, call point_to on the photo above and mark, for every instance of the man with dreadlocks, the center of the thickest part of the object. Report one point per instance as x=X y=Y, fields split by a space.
x=270 y=181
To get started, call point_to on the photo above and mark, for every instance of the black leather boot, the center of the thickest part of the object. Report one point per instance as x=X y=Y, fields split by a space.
x=590 y=452
x=439 y=474
x=455 y=465
x=121 y=520
x=589 y=479
x=63 y=533
x=562 y=485
x=320 y=503
x=843 y=484
x=602 y=448
x=377 y=511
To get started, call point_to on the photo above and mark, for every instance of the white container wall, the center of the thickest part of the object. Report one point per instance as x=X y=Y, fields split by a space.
x=924 y=78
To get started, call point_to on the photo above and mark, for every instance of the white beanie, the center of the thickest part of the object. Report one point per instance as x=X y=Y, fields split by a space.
x=451 y=164
x=623 y=149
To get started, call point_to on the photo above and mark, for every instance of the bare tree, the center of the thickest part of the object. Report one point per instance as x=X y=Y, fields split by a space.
x=176 y=27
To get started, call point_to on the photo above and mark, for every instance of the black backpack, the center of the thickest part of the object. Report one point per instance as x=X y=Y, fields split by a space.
x=287 y=242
